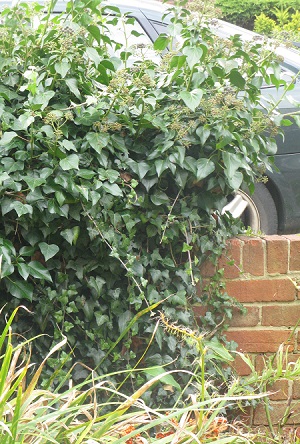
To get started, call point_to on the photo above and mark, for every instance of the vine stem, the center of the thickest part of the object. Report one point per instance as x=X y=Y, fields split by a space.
x=170 y=212
x=111 y=249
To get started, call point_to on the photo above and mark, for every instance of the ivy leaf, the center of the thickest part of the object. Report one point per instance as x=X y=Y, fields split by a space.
x=112 y=188
x=21 y=208
x=142 y=169
x=84 y=191
x=101 y=319
x=203 y=133
x=48 y=250
x=86 y=174
x=23 y=122
x=60 y=197
x=186 y=247
x=62 y=67
x=192 y=98
x=149 y=183
x=161 y=165
x=159 y=198
x=27 y=251
x=177 y=61
x=124 y=319
x=204 y=168
x=226 y=138
x=6 y=269
x=89 y=309
x=70 y=162
x=237 y=79
x=166 y=378
x=7 y=93
x=68 y=145
x=71 y=235
x=23 y=270
x=7 y=137
x=34 y=182
x=272 y=147
x=161 y=42
x=232 y=163
x=98 y=140
x=38 y=271
x=72 y=85
x=193 y=55
x=41 y=100
x=236 y=180
x=95 y=32
x=20 y=289
x=3 y=176
x=174 y=29
x=96 y=285
x=139 y=168
x=229 y=64
x=93 y=55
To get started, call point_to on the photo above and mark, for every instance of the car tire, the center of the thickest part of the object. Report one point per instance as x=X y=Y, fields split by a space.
x=260 y=213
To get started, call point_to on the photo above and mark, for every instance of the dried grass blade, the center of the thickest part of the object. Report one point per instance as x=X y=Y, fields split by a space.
x=37 y=374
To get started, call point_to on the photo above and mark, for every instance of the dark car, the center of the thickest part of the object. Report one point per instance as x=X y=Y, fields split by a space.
x=275 y=205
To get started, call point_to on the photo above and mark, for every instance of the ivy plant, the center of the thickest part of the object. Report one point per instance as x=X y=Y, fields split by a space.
x=114 y=168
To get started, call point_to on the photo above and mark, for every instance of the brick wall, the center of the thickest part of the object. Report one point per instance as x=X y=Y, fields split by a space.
x=265 y=277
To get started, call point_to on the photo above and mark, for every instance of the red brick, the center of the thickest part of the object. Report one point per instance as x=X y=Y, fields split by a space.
x=241 y=367
x=277 y=412
x=277 y=254
x=259 y=341
x=245 y=416
x=201 y=286
x=254 y=256
x=232 y=253
x=296 y=333
x=279 y=390
x=262 y=290
x=294 y=240
x=296 y=390
x=280 y=315
x=260 y=362
x=293 y=359
x=208 y=269
x=199 y=311
x=249 y=319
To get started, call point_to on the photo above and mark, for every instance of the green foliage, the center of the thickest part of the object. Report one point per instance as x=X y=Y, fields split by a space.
x=73 y=414
x=286 y=26
x=114 y=168
x=282 y=15
x=79 y=413
x=276 y=367
x=244 y=13
x=294 y=22
x=264 y=25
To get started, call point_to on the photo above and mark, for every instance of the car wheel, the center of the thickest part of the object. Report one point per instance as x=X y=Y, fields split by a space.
x=256 y=210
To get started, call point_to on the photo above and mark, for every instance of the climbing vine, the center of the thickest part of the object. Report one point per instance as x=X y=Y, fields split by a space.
x=114 y=169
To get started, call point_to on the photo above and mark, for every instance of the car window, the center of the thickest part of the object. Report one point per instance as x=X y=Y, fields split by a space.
x=159 y=27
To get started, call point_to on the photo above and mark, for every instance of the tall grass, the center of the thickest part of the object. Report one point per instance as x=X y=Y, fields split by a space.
x=67 y=414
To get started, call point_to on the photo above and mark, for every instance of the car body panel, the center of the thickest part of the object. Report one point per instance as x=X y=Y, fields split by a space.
x=284 y=186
